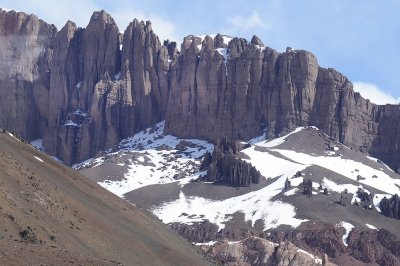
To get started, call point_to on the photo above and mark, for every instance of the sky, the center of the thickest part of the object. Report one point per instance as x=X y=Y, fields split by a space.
x=359 y=38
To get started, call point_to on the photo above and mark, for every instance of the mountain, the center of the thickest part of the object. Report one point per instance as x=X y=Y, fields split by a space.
x=82 y=90
x=314 y=193
x=52 y=215
x=256 y=156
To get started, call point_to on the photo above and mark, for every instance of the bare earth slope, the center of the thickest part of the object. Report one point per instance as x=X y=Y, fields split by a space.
x=50 y=214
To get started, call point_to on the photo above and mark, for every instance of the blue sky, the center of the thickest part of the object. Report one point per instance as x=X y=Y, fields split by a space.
x=359 y=38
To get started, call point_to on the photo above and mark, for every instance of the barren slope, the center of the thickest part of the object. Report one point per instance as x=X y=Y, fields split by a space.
x=51 y=214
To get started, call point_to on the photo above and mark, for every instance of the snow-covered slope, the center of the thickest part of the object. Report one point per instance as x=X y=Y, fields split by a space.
x=164 y=170
x=148 y=158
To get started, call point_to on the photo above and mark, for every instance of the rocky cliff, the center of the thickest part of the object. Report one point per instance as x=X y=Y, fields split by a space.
x=245 y=89
x=84 y=89
x=224 y=166
x=25 y=65
x=106 y=86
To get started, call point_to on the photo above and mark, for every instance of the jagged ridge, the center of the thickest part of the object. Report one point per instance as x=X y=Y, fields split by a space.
x=87 y=88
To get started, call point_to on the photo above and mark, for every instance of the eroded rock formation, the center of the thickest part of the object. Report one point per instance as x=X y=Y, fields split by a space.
x=246 y=89
x=83 y=89
x=25 y=65
x=106 y=87
x=390 y=207
x=223 y=165
x=258 y=251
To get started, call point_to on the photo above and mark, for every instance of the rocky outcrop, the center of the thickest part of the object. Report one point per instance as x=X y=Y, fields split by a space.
x=201 y=232
x=106 y=87
x=83 y=89
x=320 y=238
x=390 y=207
x=224 y=166
x=258 y=251
x=25 y=66
x=255 y=89
x=374 y=246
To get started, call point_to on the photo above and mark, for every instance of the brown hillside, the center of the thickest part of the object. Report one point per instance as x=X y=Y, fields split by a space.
x=50 y=214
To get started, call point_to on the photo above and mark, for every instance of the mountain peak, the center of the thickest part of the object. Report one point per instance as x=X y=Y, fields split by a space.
x=103 y=16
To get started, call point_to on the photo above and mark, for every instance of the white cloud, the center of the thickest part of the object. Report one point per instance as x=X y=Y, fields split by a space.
x=244 y=24
x=374 y=94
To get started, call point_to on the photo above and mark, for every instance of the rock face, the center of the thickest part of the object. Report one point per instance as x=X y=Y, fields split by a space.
x=255 y=89
x=320 y=238
x=223 y=166
x=25 y=65
x=258 y=251
x=109 y=87
x=390 y=207
x=205 y=231
x=84 y=89
x=379 y=246
x=81 y=90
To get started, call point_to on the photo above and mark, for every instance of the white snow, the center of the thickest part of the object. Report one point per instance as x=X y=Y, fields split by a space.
x=315 y=258
x=11 y=135
x=70 y=123
x=37 y=158
x=277 y=141
x=332 y=186
x=262 y=48
x=291 y=192
x=210 y=243
x=8 y=10
x=255 y=205
x=223 y=52
x=118 y=75
x=151 y=164
x=120 y=47
x=377 y=200
x=79 y=112
x=56 y=159
x=348 y=227
x=270 y=165
x=226 y=39
x=38 y=144
x=79 y=84
x=346 y=168
x=370 y=226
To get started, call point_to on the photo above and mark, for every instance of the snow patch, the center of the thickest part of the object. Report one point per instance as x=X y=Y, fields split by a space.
x=370 y=226
x=70 y=123
x=255 y=206
x=223 y=52
x=118 y=76
x=37 y=158
x=79 y=84
x=153 y=164
x=315 y=258
x=377 y=200
x=291 y=192
x=352 y=189
x=79 y=112
x=210 y=243
x=348 y=227
x=8 y=10
x=346 y=168
x=12 y=135
x=277 y=141
x=38 y=144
